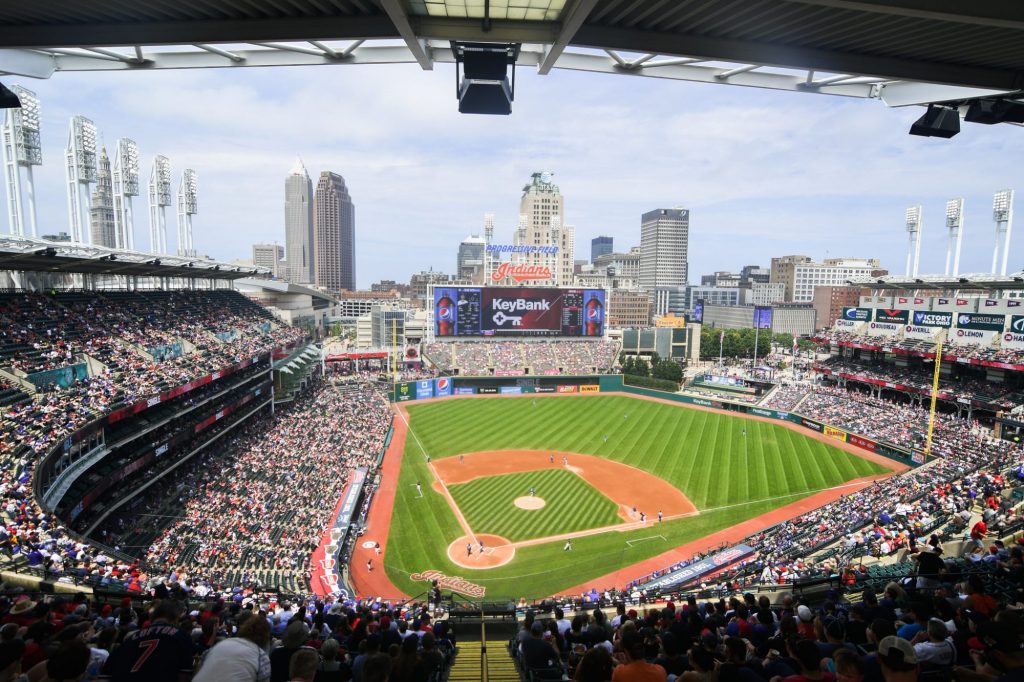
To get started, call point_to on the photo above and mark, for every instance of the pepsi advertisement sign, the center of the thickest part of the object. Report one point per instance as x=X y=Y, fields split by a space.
x=442 y=387
x=857 y=314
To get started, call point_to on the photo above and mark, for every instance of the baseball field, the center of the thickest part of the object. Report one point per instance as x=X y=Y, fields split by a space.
x=527 y=497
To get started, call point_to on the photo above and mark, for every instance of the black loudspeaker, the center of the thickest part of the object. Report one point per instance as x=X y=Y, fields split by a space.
x=485 y=97
x=937 y=122
x=990 y=111
x=8 y=100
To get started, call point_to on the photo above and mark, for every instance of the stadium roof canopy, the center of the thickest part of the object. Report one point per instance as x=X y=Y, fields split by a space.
x=902 y=52
x=964 y=282
x=278 y=286
x=39 y=255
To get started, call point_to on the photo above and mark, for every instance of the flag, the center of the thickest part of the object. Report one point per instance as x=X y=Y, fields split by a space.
x=721 y=337
x=794 y=345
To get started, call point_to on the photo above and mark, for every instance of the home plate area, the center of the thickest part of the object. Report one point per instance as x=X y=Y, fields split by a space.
x=466 y=551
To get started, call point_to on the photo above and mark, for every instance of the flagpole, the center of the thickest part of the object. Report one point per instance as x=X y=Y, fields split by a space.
x=721 y=344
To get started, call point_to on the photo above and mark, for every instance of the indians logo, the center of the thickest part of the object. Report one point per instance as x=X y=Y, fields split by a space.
x=521 y=272
x=453 y=583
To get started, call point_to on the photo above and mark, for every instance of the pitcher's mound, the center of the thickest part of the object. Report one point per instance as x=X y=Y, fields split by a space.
x=529 y=502
x=497 y=551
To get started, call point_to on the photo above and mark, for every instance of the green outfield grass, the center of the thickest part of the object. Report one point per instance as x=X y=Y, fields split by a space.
x=572 y=505
x=731 y=468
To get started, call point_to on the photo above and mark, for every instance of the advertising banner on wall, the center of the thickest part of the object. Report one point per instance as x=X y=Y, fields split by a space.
x=926 y=318
x=883 y=329
x=695 y=570
x=899 y=317
x=424 y=388
x=982 y=322
x=590 y=388
x=833 y=432
x=857 y=314
x=442 y=387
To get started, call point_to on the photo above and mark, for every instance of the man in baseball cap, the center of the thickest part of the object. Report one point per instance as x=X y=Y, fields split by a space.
x=898 y=660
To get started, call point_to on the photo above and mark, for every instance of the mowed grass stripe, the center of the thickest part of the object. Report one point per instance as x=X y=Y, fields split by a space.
x=571 y=504
x=677 y=444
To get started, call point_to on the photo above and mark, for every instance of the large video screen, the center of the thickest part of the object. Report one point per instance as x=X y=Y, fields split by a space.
x=518 y=311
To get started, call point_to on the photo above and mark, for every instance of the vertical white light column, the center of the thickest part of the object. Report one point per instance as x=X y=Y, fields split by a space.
x=187 y=207
x=80 y=172
x=22 y=150
x=126 y=185
x=914 y=239
x=1002 y=215
x=954 y=226
x=159 y=200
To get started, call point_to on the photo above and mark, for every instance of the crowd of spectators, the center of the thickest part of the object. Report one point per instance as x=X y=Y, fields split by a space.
x=507 y=358
x=952 y=347
x=787 y=396
x=255 y=511
x=920 y=380
x=40 y=332
x=956 y=629
x=242 y=636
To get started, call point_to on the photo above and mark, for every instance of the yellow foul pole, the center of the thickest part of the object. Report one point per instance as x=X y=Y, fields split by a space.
x=935 y=392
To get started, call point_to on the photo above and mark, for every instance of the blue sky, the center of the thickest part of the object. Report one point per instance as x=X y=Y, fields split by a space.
x=764 y=173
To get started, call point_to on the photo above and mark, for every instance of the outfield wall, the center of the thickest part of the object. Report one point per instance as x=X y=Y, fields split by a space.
x=446 y=387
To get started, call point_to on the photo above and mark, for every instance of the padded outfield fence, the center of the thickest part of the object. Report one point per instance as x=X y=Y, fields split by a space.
x=448 y=387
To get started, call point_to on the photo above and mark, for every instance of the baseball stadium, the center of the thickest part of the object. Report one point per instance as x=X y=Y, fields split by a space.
x=540 y=468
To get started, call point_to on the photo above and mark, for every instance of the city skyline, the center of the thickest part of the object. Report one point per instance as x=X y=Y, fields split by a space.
x=765 y=173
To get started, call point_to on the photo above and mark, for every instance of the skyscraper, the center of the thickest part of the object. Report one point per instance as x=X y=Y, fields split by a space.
x=298 y=225
x=333 y=234
x=470 y=262
x=101 y=209
x=542 y=225
x=599 y=246
x=664 y=245
x=268 y=256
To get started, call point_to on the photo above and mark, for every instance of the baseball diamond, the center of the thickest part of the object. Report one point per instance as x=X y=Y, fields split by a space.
x=605 y=466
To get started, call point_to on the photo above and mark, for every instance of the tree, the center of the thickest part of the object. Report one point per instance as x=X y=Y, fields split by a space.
x=640 y=368
x=667 y=369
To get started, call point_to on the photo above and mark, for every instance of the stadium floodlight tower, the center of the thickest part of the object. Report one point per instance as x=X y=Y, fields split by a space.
x=187 y=207
x=22 y=150
x=955 y=226
x=126 y=185
x=914 y=239
x=80 y=170
x=1002 y=214
x=159 y=200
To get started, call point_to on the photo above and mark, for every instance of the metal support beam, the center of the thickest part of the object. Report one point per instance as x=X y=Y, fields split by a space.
x=787 y=56
x=396 y=12
x=572 y=18
x=994 y=14
x=27 y=63
x=223 y=53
